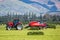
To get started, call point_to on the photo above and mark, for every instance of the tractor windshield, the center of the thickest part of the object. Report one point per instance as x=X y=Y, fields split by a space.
x=15 y=21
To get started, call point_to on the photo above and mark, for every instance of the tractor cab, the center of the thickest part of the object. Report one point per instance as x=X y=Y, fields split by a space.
x=16 y=21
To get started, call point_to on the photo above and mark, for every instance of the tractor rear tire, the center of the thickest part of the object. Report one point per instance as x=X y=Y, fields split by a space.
x=19 y=27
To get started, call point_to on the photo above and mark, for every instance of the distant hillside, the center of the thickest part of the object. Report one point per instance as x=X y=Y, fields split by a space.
x=54 y=13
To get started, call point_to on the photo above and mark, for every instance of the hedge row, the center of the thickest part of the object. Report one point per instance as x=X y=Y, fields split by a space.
x=51 y=26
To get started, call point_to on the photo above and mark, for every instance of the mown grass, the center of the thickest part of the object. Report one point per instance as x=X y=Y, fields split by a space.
x=49 y=34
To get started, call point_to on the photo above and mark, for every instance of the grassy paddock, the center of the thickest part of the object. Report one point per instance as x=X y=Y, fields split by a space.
x=49 y=34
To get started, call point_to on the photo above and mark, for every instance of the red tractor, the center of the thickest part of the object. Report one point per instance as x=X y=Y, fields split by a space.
x=15 y=24
x=36 y=24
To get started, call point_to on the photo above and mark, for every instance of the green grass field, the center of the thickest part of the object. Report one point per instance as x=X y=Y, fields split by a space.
x=49 y=34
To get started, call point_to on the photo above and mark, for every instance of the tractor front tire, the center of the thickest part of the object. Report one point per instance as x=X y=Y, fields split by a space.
x=8 y=28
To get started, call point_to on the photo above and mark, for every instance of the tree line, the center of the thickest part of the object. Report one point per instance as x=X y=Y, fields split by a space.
x=26 y=18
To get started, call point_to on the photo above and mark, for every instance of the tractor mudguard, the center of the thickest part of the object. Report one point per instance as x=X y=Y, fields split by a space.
x=10 y=24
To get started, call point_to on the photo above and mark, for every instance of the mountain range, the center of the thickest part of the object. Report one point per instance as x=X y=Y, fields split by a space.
x=15 y=6
x=28 y=6
x=51 y=5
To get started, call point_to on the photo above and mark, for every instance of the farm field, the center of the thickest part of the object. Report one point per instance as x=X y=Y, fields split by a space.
x=49 y=34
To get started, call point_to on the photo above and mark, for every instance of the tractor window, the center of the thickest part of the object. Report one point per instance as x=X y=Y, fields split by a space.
x=15 y=21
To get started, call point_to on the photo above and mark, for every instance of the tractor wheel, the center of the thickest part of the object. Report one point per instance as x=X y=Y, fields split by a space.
x=8 y=28
x=40 y=27
x=19 y=27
